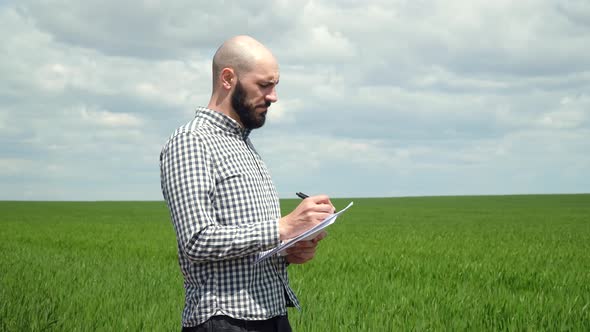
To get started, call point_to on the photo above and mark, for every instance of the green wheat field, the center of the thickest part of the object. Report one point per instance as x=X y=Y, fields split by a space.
x=468 y=263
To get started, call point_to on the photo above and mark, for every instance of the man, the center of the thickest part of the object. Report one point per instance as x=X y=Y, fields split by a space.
x=224 y=206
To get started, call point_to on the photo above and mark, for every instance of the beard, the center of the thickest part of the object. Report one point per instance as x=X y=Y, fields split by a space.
x=247 y=112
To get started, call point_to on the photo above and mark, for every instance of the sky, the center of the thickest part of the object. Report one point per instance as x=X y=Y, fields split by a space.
x=377 y=98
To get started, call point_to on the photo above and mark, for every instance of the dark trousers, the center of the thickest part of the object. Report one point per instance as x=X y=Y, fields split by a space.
x=228 y=324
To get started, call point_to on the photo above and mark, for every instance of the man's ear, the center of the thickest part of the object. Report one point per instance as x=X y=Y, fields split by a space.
x=228 y=78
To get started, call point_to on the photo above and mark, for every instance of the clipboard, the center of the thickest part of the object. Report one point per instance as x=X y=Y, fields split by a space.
x=307 y=235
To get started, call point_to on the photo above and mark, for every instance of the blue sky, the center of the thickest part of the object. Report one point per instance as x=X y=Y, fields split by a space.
x=376 y=98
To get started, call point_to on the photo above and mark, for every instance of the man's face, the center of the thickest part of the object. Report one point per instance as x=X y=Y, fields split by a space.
x=251 y=115
x=254 y=92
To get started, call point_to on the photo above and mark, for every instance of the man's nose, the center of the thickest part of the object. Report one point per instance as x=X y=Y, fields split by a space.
x=272 y=96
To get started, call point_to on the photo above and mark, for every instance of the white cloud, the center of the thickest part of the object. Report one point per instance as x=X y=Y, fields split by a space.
x=157 y=29
x=320 y=44
x=108 y=119
x=573 y=112
x=376 y=98
x=15 y=166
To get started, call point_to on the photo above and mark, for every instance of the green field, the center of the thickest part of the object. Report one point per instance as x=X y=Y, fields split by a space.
x=389 y=264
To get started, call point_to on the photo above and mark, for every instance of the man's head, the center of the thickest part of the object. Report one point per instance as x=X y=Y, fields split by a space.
x=245 y=74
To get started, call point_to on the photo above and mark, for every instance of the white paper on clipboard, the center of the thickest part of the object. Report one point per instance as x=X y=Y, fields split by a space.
x=307 y=235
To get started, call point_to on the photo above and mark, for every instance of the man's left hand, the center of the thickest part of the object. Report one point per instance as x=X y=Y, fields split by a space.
x=304 y=251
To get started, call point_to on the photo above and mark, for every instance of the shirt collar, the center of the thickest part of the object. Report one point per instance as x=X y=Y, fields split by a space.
x=222 y=121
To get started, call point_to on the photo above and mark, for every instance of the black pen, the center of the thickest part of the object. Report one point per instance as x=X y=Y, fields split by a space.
x=301 y=195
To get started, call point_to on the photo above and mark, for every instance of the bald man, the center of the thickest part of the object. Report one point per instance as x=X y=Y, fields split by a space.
x=224 y=206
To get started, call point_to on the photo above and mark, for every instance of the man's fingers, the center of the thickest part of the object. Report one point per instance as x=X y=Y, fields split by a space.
x=320 y=199
x=320 y=237
x=311 y=211
x=304 y=251
x=306 y=244
x=302 y=256
x=295 y=259
x=318 y=208
x=304 y=247
x=320 y=216
x=322 y=203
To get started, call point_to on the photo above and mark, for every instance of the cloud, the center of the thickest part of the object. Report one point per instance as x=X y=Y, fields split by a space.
x=108 y=119
x=14 y=166
x=377 y=98
x=156 y=29
x=576 y=11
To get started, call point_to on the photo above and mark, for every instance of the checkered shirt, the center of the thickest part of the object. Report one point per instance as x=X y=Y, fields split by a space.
x=225 y=210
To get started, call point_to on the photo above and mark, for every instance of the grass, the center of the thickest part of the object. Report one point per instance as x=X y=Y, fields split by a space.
x=412 y=264
x=88 y=267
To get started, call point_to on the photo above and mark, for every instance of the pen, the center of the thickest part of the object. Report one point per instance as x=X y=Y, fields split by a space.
x=301 y=195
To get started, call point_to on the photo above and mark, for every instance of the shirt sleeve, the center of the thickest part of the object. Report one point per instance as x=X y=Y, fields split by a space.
x=188 y=185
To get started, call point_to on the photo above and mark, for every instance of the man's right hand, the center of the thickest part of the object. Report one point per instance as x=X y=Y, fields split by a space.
x=310 y=212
